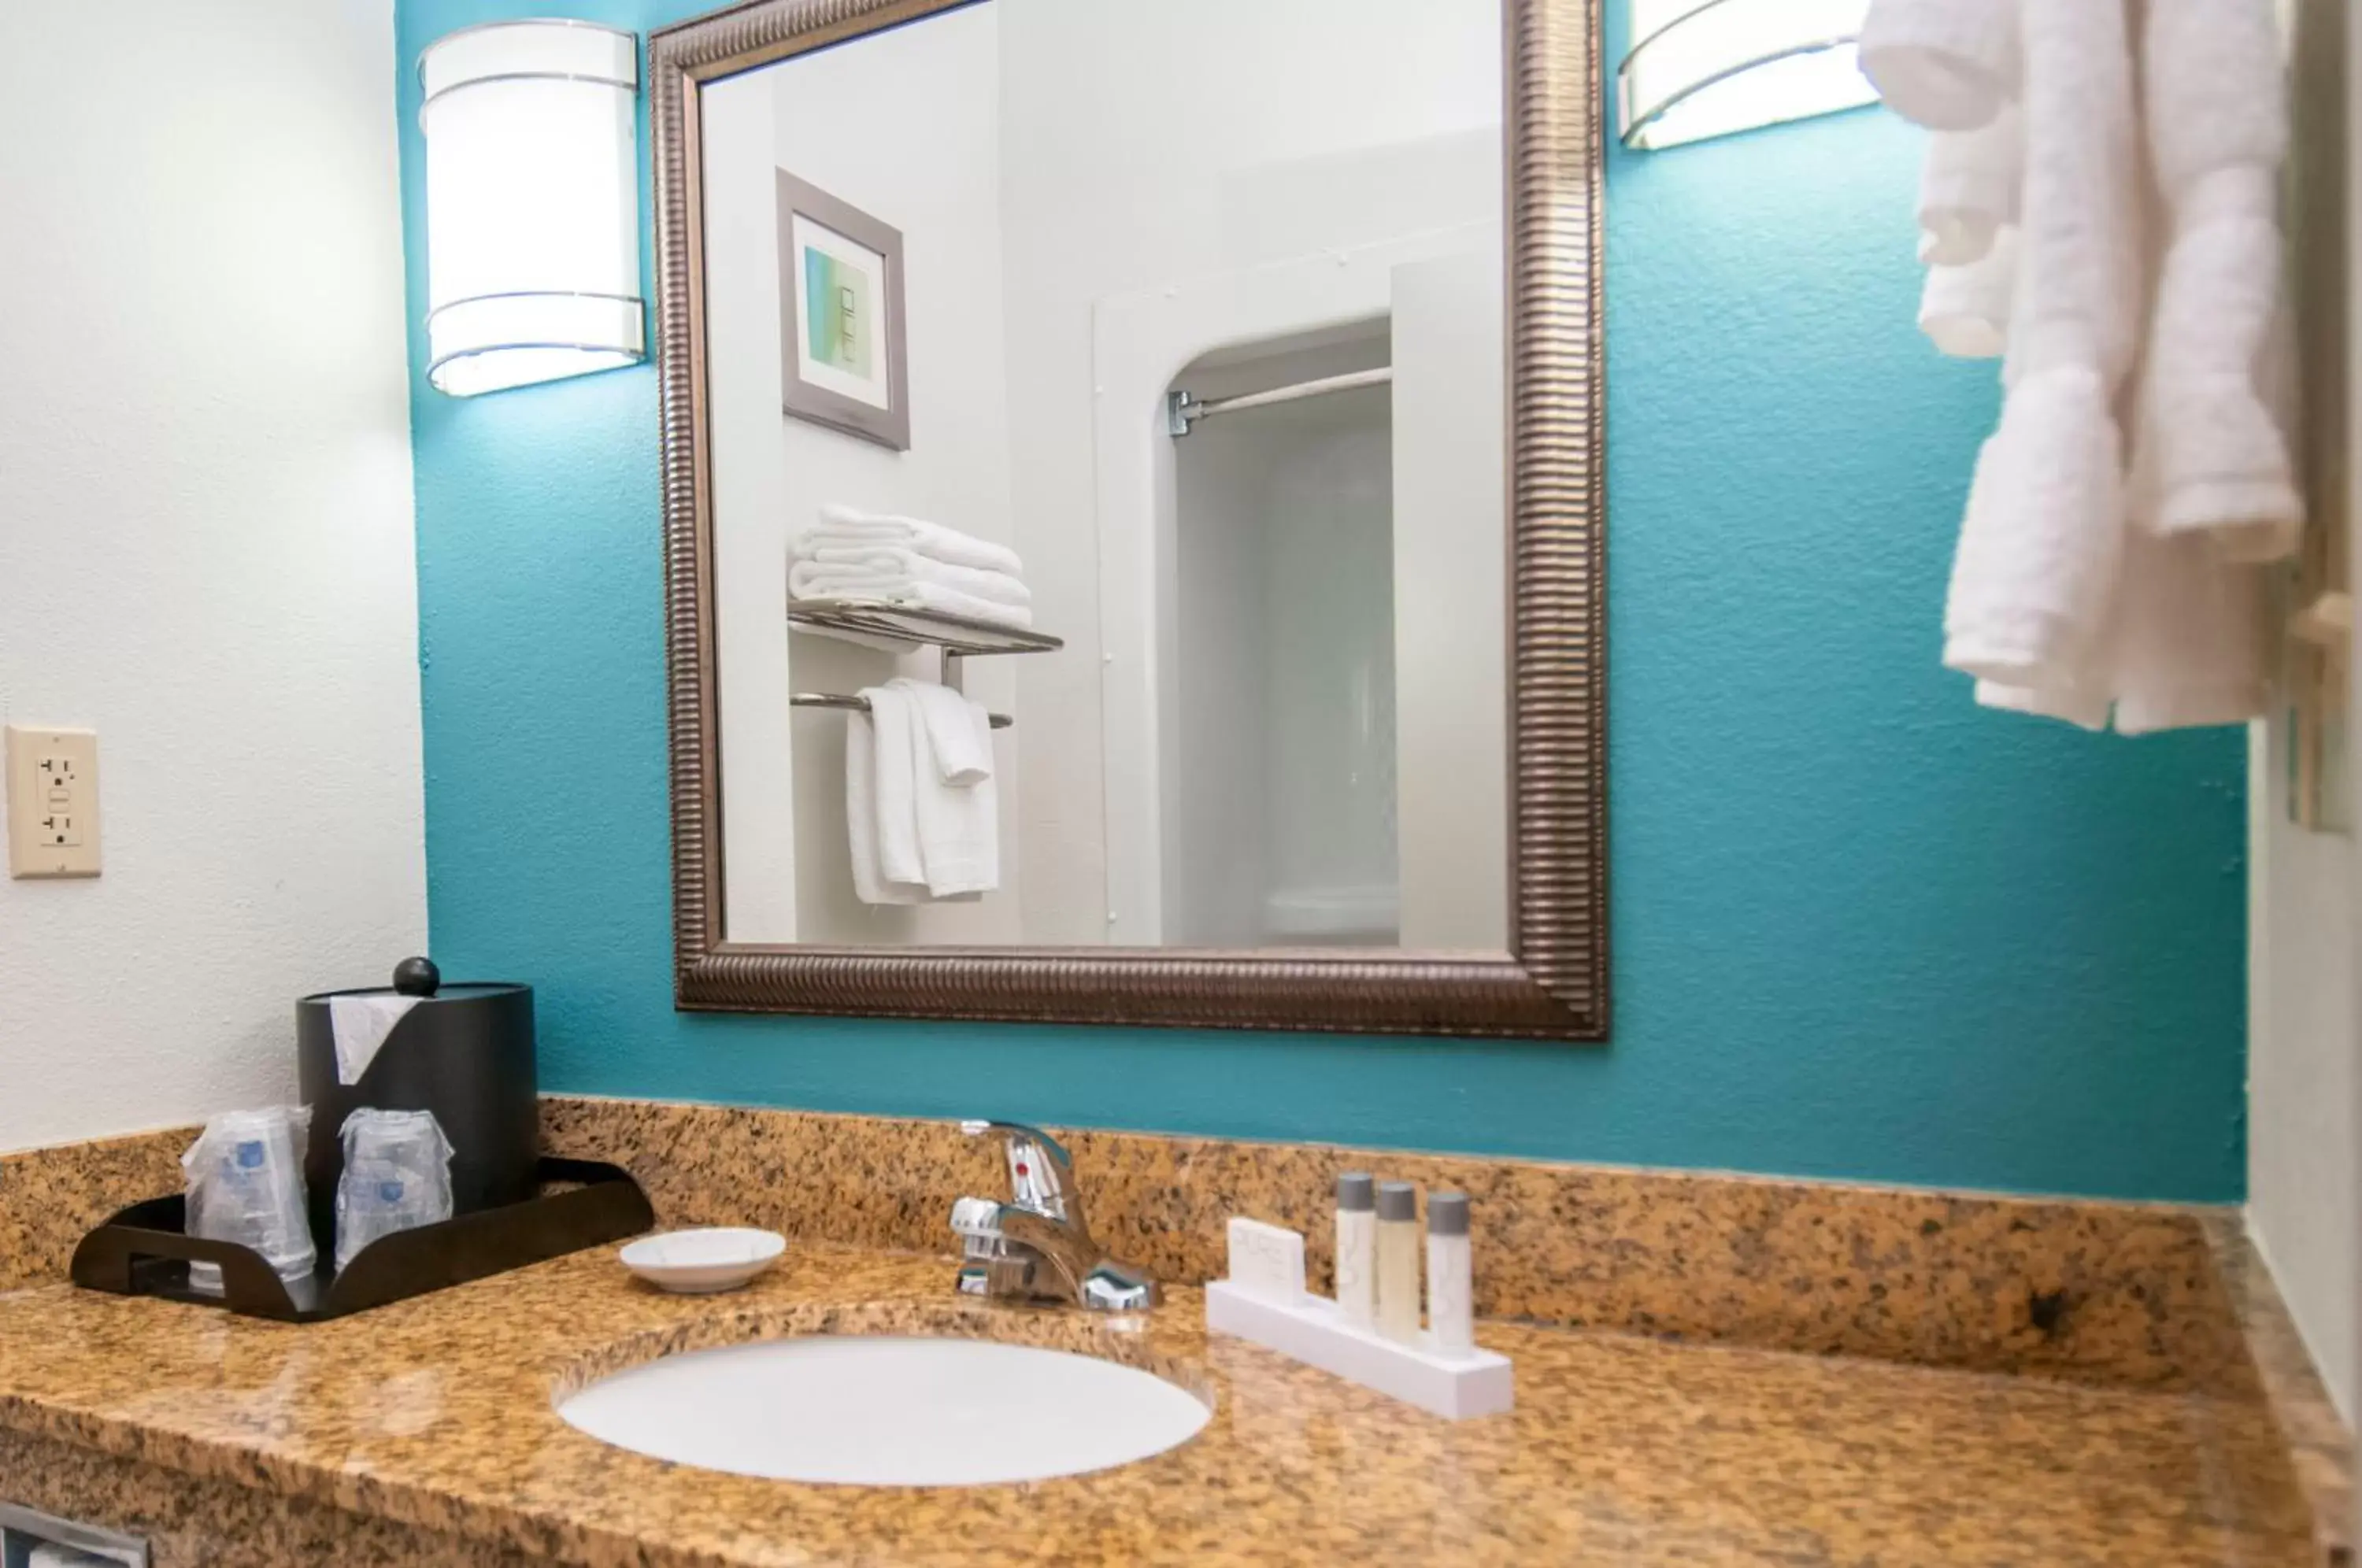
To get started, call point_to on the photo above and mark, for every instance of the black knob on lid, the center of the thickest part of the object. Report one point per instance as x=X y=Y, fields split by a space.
x=416 y=978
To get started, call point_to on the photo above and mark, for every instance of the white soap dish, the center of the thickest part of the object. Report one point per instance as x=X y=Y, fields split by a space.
x=704 y=1261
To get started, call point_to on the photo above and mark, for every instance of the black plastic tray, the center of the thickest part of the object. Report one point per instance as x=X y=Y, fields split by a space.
x=146 y=1249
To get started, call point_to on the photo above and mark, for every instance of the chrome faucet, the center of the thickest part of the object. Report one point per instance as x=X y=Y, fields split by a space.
x=1036 y=1245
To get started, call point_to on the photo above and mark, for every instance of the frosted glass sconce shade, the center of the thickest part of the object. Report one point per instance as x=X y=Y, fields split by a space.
x=1706 y=68
x=532 y=223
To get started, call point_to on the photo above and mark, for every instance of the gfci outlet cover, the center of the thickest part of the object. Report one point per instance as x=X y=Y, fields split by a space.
x=52 y=802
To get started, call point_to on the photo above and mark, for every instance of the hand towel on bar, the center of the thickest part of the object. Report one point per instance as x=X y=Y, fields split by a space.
x=841 y=524
x=881 y=773
x=957 y=826
x=1968 y=189
x=2217 y=132
x=1945 y=64
x=1965 y=310
x=861 y=824
x=961 y=751
x=2040 y=544
x=870 y=883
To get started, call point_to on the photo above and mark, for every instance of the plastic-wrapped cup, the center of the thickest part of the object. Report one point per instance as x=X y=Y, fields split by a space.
x=397 y=1176
x=245 y=1176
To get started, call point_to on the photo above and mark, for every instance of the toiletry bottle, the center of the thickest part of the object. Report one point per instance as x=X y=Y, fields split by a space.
x=1398 y=1260
x=1357 y=1249
x=1451 y=1293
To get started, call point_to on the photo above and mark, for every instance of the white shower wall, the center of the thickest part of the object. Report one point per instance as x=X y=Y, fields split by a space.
x=1279 y=823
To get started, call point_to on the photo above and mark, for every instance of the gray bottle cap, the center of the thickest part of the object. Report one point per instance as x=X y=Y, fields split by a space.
x=1447 y=1214
x=1398 y=1200
x=1357 y=1193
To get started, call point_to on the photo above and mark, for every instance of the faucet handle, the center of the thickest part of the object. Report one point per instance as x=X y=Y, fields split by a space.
x=1039 y=1169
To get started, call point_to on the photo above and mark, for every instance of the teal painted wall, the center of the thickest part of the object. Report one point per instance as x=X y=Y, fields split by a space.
x=1860 y=928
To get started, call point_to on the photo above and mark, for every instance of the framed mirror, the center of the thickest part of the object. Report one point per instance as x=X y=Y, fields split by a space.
x=1134 y=522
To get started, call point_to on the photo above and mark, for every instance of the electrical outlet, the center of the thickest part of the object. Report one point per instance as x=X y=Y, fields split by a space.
x=52 y=802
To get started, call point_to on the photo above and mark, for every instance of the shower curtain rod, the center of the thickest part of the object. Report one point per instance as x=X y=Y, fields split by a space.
x=1181 y=410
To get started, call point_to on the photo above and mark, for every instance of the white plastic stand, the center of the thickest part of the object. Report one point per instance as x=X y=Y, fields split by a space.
x=1312 y=1330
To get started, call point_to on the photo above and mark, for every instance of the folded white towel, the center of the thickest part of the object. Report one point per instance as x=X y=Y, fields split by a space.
x=893 y=561
x=1969 y=187
x=1945 y=64
x=2217 y=133
x=846 y=526
x=914 y=593
x=1965 y=311
x=907 y=577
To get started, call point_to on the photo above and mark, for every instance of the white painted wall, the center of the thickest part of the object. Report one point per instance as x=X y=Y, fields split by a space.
x=2304 y=1027
x=927 y=162
x=2301 y=1171
x=205 y=542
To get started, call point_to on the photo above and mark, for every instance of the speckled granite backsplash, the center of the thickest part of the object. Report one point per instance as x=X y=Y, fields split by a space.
x=2104 y=1292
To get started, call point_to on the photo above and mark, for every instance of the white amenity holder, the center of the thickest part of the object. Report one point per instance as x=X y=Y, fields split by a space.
x=1314 y=1331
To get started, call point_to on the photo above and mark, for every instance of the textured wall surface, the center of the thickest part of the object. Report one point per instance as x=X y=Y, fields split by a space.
x=205 y=542
x=1860 y=928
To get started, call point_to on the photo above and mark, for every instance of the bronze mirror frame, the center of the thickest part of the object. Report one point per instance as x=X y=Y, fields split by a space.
x=1552 y=983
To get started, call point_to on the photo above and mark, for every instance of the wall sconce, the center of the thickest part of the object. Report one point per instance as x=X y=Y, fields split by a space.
x=1704 y=68
x=533 y=220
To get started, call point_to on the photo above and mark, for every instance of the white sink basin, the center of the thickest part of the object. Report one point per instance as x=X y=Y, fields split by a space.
x=860 y=1411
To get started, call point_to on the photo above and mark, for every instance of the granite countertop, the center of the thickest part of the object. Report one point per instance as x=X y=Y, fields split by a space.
x=437 y=1413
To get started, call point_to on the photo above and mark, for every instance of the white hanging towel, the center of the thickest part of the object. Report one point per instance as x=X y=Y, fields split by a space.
x=2040 y=546
x=921 y=814
x=2217 y=134
x=2190 y=648
x=878 y=805
x=1965 y=310
x=956 y=807
x=1969 y=185
x=1946 y=64
x=958 y=746
x=2184 y=642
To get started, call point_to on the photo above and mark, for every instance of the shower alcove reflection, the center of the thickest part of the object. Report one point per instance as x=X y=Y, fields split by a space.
x=1280 y=633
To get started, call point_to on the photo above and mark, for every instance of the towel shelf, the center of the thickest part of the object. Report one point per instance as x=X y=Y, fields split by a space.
x=861 y=705
x=957 y=635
